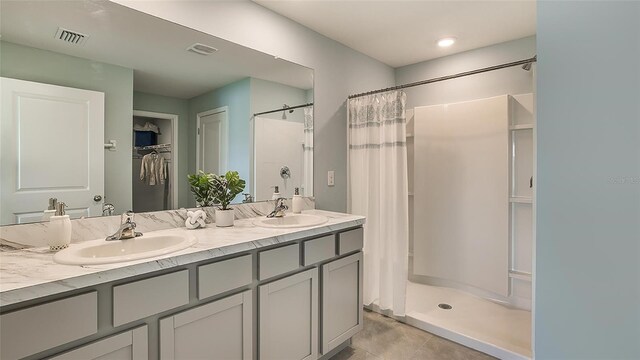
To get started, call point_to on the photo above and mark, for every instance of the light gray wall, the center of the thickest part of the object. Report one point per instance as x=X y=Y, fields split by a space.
x=237 y=96
x=31 y=64
x=269 y=95
x=339 y=71
x=180 y=107
x=587 y=281
x=506 y=81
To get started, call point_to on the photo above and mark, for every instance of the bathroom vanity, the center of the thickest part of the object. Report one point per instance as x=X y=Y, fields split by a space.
x=244 y=292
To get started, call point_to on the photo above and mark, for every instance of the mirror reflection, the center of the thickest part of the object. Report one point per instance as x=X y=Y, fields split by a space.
x=108 y=109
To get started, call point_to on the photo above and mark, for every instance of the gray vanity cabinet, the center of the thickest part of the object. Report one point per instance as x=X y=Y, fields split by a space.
x=341 y=300
x=308 y=293
x=221 y=329
x=129 y=345
x=288 y=317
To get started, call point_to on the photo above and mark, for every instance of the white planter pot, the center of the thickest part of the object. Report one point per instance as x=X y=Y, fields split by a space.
x=224 y=218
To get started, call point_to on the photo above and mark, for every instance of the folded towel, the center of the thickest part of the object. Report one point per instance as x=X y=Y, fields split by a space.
x=147 y=127
x=195 y=219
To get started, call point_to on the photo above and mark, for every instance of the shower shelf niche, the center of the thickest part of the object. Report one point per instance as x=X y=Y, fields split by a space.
x=521 y=200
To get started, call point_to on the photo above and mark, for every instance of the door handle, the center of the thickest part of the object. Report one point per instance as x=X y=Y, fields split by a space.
x=97 y=198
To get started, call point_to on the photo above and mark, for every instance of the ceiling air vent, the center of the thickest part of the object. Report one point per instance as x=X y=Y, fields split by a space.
x=71 y=37
x=202 y=49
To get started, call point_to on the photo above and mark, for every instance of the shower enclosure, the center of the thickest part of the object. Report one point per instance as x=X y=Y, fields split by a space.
x=471 y=166
x=469 y=147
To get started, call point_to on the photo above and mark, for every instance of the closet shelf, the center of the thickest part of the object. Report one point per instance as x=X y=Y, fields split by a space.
x=521 y=200
x=521 y=127
x=520 y=275
x=153 y=147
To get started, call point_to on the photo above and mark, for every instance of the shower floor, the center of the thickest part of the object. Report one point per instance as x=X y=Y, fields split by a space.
x=480 y=324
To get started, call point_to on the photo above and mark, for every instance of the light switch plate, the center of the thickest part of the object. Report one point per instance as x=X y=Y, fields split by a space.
x=331 y=178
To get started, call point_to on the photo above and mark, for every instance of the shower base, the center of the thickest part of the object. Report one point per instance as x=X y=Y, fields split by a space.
x=477 y=323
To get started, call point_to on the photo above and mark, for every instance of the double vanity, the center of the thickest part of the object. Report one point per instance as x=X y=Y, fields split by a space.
x=263 y=289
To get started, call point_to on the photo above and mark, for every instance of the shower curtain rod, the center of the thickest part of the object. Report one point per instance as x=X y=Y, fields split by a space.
x=283 y=109
x=449 y=77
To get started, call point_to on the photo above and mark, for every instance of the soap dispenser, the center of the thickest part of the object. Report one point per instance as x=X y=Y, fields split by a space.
x=297 y=201
x=276 y=193
x=60 y=226
x=51 y=210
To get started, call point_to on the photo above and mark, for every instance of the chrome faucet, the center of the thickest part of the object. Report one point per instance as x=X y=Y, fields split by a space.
x=278 y=211
x=108 y=209
x=248 y=198
x=127 y=228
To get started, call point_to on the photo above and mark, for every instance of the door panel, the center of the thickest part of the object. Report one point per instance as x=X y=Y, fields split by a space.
x=341 y=300
x=225 y=324
x=212 y=141
x=288 y=315
x=129 y=345
x=52 y=146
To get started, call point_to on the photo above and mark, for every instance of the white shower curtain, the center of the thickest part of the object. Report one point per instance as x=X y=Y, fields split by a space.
x=307 y=184
x=378 y=189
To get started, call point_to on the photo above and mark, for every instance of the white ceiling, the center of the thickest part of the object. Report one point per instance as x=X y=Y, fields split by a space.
x=400 y=32
x=155 y=49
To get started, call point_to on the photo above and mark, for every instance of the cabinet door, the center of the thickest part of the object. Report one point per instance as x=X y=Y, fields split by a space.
x=341 y=300
x=289 y=318
x=130 y=345
x=218 y=330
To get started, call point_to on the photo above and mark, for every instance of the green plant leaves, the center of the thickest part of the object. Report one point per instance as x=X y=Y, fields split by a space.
x=202 y=188
x=226 y=188
x=210 y=189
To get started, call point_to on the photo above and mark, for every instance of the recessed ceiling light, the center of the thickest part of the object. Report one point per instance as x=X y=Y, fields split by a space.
x=446 y=42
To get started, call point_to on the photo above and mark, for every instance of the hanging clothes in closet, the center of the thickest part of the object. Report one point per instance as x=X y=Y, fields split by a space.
x=153 y=169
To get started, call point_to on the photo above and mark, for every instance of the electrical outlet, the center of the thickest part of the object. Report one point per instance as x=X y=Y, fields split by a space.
x=331 y=178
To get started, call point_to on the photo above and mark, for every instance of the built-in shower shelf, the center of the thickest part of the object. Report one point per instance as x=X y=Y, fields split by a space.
x=520 y=275
x=521 y=200
x=410 y=194
x=410 y=135
x=521 y=127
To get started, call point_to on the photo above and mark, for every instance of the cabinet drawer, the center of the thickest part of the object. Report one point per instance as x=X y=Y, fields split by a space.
x=350 y=241
x=278 y=261
x=148 y=297
x=318 y=250
x=216 y=278
x=35 y=329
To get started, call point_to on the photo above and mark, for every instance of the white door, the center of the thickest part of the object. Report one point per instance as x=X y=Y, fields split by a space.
x=221 y=329
x=129 y=345
x=288 y=318
x=212 y=141
x=52 y=145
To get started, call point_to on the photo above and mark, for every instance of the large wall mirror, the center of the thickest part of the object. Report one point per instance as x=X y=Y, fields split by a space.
x=104 y=105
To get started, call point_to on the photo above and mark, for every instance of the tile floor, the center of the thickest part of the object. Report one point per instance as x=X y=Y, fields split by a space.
x=385 y=338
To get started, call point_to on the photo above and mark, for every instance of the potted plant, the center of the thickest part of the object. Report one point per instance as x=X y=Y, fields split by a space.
x=225 y=188
x=202 y=188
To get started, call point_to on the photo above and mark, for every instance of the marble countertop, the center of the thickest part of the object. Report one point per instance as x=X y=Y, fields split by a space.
x=28 y=274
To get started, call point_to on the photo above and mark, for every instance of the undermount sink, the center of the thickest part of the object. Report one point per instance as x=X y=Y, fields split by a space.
x=107 y=252
x=290 y=221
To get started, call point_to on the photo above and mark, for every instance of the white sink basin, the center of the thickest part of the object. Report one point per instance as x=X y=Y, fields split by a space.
x=107 y=252
x=291 y=221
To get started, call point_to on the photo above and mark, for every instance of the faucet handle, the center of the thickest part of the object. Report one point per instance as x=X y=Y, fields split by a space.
x=280 y=203
x=127 y=217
